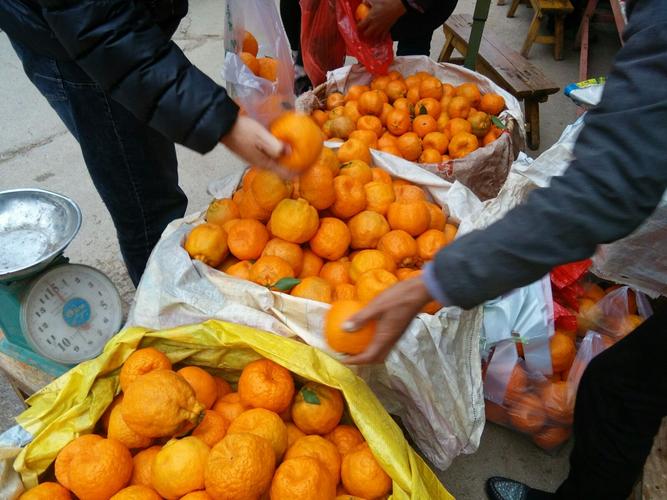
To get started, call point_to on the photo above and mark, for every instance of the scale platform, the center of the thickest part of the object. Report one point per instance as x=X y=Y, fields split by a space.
x=53 y=314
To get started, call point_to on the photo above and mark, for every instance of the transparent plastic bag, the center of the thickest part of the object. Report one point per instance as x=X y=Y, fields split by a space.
x=376 y=56
x=259 y=98
x=322 y=46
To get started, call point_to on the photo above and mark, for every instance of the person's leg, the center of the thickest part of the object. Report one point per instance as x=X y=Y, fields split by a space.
x=414 y=30
x=290 y=13
x=133 y=167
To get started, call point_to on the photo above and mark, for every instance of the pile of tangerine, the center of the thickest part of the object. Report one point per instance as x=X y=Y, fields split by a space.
x=418 y=118
x=187 y=435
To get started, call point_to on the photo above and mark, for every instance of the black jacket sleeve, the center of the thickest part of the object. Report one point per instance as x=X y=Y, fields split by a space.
x=121 y=47
x=615 y=183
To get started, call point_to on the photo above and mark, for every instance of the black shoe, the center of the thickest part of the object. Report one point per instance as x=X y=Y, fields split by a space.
x=502 y=488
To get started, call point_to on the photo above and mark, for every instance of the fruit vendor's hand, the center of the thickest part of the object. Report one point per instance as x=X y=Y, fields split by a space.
x=251 y=141
x=393 y=309
x=380 y=19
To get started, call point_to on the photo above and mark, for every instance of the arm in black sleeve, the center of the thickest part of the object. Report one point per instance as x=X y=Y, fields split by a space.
x=615 y=183
x=122 y=49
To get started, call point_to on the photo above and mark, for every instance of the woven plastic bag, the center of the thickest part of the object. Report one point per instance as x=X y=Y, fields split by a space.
x=260 y=98
x=72 y=404
x=322 y=46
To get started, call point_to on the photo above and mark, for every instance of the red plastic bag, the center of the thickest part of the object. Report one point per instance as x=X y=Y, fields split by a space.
x=376 y=56
x=567 y=274
x=322 y=46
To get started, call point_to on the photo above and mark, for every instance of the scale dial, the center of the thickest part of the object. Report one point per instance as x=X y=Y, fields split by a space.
x=70 y=312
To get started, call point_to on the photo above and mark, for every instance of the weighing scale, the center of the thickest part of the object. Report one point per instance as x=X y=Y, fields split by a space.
x=53 y=314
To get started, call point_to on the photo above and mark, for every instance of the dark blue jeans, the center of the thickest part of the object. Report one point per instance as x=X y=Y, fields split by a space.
x=133 y=167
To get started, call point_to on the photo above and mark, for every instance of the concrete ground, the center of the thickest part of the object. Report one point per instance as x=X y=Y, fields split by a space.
x=36 y=151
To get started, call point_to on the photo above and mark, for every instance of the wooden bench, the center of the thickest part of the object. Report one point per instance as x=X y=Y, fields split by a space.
x=505 y=67
x=558 y=9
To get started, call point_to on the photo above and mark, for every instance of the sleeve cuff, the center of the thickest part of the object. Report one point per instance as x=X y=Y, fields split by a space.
x=433 y=285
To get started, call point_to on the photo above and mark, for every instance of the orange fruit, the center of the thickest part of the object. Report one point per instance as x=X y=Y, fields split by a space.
x=350 y=197
x=248 y=207
x=432 y=307
x=247 y=239
x=316 y=186
x=230 y=406
x=394 y=75
x=302 y=135
x=366 y=229
x=320 y=449
x=136 y=492
x=268 y=68
x=413 y=95
x=269 y=269
x=355 y=91
x=294 y=220
x=462 y=144
x=428 y=106
x=286 y=250
x=305 y=478
x=354 y=149
x=429 y=242
x=340 y=340
x=370 y=122
x=550 y=438
x=93 y=467
x=119 y=431
x=197 y=495
x=405 y=273
x=312 y=264
x=456 y=125
x=563 y=352
x=408 y=192
x=361 y=12
x=558 y=403
x=362 y=475
x=249 y=43
x=248 y=176
x=337 y=111
x=437 y=141
x=265 y=384
x=396 y=89
x=448 y=90
x=517 y=384
x=430 y=155
x=493 y=133
x=345 y=291
x=336 y=273
x=268 y=189
x=207 y=243
x=410 y=146
x=46 y=491
x=202 y=383
x=430 y=87
x=142 y=471
x=368 y=137
x=386 y=109
x=527 y=414
x=481 y=123
x=379 y=195
x=332 y=239
x=250 y=61
x=293 y=433
x=265 y=424
x=240 y=270
x=227 y=263
x=438 y=218
x=495 y=413
x=314 y=288
x=403 y=104
x=358 y=169
x=140 y=362
x=386 y=140
x=392 y=150
x=398 y=121
x=593 y=291
x=317 y=408
x=240 y=466
x=340 y=127
x=424 y=124
x=319 y=116
x=367 y=260
x=212 y=428
x=160 y=404
x=442 y=122
x=345 y=438
x=179 y=466
x=471 y=92
x=370 y=103
x=413 y=81
x=351 y=111
x=459 y=107
x=334 y=100
x=373 y=283
x=492 y=104
x=380 y=82
x=450 y=232
x=413 y=217
x=221 y=211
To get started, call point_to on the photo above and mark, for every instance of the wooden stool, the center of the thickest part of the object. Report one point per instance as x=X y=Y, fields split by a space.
x=557 y=8
x=505 y=67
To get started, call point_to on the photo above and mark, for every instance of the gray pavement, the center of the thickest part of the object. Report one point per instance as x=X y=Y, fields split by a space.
x=37 y=151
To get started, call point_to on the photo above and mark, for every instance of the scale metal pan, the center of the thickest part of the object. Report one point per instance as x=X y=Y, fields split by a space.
x=35 y=227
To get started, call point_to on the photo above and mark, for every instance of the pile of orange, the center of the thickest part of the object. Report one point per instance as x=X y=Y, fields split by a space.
x=543 y=407
x=264 y=67
x=342 y=230
x=418 y=117
x=188 y=435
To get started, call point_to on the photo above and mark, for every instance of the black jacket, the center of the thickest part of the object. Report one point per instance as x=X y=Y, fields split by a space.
x=125 y=46
x=614 y=184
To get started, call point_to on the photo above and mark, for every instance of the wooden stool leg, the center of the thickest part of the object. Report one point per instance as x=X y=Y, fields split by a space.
x=532 y=107
x=533 y=30
x=559 y=37
x=513 y=7
x=447 y=49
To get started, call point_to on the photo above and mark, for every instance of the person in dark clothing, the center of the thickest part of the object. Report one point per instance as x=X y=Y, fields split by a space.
x=127 y=93
x=617 y=179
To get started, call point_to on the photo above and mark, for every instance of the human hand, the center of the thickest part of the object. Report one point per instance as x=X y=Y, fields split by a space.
x=393 y=309
x=251 y=141
x=380 y=19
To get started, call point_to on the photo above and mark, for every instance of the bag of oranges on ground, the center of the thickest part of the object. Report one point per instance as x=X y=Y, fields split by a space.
x=454 y=122
x=214 y=411
x=273 y=254
x=258 y=67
